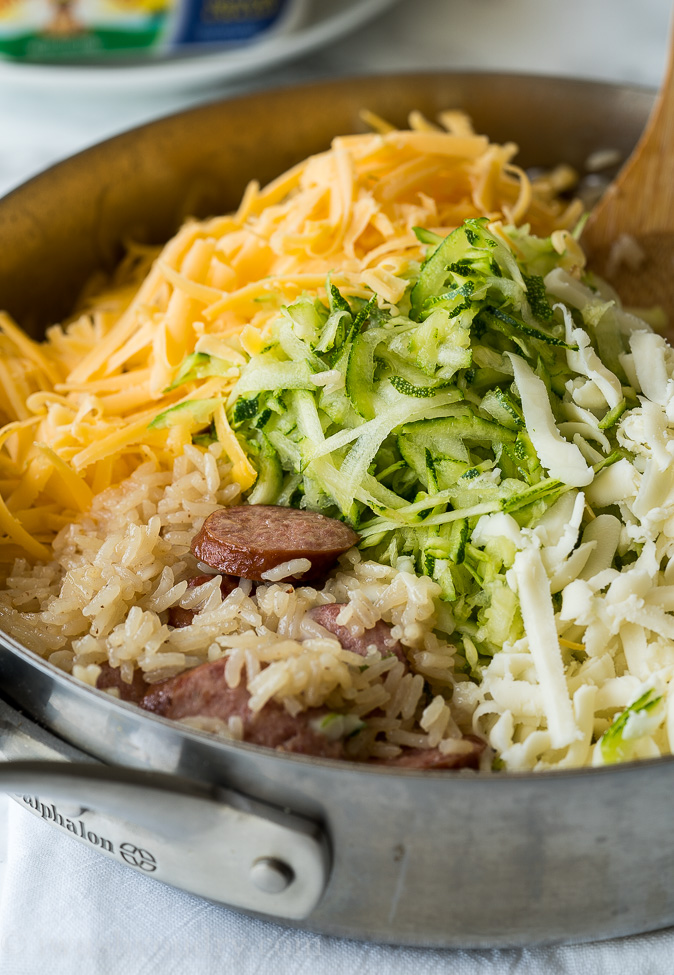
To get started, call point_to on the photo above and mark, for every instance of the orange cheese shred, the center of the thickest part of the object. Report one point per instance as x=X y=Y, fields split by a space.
x=76 y=409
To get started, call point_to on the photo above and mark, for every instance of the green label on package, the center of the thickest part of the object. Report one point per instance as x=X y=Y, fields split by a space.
x=76 y=30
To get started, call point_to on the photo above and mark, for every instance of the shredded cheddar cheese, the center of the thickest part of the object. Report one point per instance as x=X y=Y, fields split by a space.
x=75 y=410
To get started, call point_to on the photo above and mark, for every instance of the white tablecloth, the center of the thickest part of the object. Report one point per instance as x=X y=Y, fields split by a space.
x=64 y=909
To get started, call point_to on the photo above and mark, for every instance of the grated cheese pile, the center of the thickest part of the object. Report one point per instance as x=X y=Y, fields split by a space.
x=75 y=410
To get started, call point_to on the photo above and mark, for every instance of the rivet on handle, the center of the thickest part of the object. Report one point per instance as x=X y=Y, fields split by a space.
x=271 y=875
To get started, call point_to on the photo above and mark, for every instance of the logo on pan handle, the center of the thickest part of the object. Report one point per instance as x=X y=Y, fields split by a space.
x=138 y=857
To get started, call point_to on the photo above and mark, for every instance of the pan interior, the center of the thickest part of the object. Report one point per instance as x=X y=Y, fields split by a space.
x=72 y=221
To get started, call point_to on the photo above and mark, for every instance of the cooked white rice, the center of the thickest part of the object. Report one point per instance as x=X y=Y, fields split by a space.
x=118 y=569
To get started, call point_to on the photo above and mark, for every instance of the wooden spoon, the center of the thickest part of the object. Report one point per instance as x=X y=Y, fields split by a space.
x=629 y=237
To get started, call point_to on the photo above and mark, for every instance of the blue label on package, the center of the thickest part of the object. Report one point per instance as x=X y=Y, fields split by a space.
x=225 y=21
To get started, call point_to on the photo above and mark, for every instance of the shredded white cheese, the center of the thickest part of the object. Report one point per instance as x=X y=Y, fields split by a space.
x=560 y=458
x=531 y=580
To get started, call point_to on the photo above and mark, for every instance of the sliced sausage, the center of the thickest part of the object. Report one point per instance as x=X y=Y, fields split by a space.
x=247 y=540
x=379 y=634
x=433 y=758
x=227 y=583
x=204 y=692
x=178 y=617
x=112 y=677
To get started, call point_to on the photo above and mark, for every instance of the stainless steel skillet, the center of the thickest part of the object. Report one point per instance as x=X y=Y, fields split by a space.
x=428 y=858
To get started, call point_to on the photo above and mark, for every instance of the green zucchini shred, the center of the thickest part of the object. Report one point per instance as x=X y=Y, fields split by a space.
x=407 y=389
x=199 y=365
x=612 y=417
x=198 y=412
x=245 y=408
x=406 y=421
x=617 y=746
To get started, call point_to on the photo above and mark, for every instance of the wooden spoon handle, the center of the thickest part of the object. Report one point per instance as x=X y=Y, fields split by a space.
x=641 y=200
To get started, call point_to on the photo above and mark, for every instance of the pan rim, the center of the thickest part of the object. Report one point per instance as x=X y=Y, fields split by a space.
x=312 y=86
x=529 y=776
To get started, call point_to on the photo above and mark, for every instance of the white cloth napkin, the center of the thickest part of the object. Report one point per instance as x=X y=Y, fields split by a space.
x=67 y=910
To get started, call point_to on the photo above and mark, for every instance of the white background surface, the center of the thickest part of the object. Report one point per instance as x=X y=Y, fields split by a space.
x=63 y=909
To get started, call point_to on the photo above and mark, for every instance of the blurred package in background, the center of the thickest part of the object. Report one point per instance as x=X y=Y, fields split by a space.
x=90 y=30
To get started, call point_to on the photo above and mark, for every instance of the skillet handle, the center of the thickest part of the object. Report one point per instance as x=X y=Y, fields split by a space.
x=206 y=840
